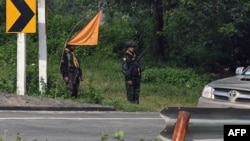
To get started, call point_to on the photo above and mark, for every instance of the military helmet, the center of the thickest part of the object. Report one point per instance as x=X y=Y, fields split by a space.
x=130 y=43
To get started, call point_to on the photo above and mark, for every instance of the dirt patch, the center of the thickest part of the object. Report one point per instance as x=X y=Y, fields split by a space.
x=13 y=100
x=24 y=100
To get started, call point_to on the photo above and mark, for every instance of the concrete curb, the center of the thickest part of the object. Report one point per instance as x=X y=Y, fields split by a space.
x=27 y=108
x=31 y=103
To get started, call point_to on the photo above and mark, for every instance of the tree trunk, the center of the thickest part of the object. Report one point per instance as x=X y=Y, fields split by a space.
x=158 y=29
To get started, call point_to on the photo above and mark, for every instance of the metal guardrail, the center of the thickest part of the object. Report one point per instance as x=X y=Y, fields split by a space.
x=204 y=124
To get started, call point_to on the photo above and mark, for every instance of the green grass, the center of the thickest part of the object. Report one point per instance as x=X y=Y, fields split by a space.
x=104 y=84
x=105 y=77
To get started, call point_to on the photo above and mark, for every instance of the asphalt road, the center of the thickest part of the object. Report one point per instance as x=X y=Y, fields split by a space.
x=79 y=126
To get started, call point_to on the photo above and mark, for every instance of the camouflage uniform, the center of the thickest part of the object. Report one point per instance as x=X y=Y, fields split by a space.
x=70 y=68
x=133 y=90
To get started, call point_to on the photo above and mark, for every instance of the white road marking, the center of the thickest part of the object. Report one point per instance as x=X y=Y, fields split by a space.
x=60 y=118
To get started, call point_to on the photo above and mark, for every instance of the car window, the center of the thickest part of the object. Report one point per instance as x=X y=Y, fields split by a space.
x=247 y=72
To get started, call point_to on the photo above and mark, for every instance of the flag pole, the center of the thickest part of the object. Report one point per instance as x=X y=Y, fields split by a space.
x=73 y=30
x=70 y=34
x=65 y=43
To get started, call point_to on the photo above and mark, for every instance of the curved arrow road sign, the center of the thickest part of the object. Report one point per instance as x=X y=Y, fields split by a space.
x=21 y=16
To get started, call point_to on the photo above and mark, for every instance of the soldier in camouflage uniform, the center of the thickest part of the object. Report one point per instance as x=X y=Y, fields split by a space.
x=132 y=74
x=71 y=71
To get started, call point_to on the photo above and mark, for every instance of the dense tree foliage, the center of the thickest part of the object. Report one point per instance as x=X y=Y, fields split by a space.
x=180 y=32
x=183 y=33
x=201 y=31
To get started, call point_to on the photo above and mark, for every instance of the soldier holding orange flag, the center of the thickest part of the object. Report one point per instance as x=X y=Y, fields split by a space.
x=71 y=71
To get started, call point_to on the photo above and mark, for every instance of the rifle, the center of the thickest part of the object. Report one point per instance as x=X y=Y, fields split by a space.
x=77 y=75
x=135 y=63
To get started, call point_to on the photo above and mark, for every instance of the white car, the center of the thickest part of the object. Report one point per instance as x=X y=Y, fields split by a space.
x=228 y=92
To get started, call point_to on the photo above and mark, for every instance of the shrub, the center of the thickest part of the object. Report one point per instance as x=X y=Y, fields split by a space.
x=174 y=76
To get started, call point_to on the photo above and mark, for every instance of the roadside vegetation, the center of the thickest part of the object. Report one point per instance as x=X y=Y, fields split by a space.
x=187 y=43
x=160 y=87
x=119 y=136
x=104 y=84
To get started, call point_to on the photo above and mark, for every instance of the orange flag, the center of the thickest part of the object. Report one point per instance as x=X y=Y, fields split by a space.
x=89 y=34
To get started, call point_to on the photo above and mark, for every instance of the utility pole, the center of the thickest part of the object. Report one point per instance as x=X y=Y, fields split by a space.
x=42 y=45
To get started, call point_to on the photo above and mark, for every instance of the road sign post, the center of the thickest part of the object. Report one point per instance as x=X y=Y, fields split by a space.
x=21 y=19
x=21 y=61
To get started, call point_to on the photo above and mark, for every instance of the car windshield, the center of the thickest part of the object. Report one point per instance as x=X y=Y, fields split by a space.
x=246 y=72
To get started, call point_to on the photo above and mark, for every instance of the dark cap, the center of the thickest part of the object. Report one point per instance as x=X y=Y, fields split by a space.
x=68 y=46
x=130 y=44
